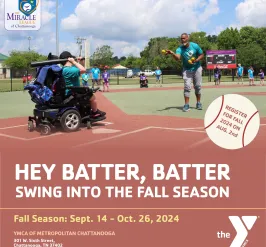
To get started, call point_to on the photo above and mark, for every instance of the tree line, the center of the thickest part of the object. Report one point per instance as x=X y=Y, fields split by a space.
x=250 y=43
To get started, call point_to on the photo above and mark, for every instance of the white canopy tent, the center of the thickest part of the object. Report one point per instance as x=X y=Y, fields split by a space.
x=119 y=66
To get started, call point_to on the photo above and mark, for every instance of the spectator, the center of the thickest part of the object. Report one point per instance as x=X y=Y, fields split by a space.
x=261 y=74
x=158 y=74
x=251 y=76
x=85 y=76
x=239 y=73
x=95 y=76
x=217 y=76
x=106 y=78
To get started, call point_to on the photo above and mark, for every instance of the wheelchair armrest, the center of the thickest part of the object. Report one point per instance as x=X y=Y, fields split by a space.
x=94 y=90
x=79 y=90
x=83 y=90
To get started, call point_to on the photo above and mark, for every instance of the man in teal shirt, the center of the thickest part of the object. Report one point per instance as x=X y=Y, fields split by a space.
x=95 y=75
x=190 y=53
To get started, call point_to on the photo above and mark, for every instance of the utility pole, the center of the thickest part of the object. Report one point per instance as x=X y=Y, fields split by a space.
x=87 y=54
x=79 y=42
x=57 y=30
x=29 y=39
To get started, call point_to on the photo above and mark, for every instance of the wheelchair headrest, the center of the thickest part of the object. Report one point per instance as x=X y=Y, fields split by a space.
x=52 y=57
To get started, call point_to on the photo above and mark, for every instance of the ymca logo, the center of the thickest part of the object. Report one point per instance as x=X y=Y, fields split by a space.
x=242 y=226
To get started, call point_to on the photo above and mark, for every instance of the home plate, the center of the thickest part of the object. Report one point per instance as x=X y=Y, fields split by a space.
x=104 y=131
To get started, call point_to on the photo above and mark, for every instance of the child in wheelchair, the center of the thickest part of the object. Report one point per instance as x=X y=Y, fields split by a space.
x=59 y=97
x=71 y=72
x=143 y=81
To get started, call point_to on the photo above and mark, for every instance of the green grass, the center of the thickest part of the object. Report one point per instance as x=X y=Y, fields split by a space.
x=6 y=85
x=167 y=79
x=158 y=102
x=170 y=102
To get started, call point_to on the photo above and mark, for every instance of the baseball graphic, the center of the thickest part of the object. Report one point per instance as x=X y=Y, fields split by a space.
x=27 y=7
x=232 y=121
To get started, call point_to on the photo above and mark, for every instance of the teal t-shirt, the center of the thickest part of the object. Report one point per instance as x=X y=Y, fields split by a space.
x=240 y=70
x=95 y=73
x=85 y=78
x=187 y=53
x=158 y=72
x=71 y=76
x=250 y=73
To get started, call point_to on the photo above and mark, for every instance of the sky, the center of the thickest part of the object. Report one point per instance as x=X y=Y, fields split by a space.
x=127 y=25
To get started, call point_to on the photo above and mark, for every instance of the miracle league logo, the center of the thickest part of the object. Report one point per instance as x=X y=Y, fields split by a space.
x=23 y=16
x=27 y=7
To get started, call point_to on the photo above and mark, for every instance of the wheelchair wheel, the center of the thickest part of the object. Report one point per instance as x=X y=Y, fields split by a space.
x=46 y=129
x=70 y=121
x=30 y=126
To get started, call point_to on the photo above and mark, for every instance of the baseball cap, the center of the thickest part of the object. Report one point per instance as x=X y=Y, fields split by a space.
x=65 y=55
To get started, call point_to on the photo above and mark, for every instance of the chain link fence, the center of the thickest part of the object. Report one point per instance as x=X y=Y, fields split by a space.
x=16 y=79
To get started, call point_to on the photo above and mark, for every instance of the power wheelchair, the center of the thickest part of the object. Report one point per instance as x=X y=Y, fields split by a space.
x=54 y=108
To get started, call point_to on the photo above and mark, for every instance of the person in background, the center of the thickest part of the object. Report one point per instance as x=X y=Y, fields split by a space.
x=106 y=78
x=261 y=74
x=85 y=79
x=85 y=76
x=239 y=73
x=143 y=80
x=251 y=76
x=217 y=76
x=220 y=76
x=158 y=74
x=95 y=76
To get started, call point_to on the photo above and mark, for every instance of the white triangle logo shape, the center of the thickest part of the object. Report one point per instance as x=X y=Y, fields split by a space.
x=104 y=131
x=249 y=221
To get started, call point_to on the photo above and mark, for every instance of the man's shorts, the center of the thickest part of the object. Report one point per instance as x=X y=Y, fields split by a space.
x=96 y=81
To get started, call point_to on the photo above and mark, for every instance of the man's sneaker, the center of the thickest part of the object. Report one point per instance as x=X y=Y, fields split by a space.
x=186 y=108
x=97 y=114
x=199 y=106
